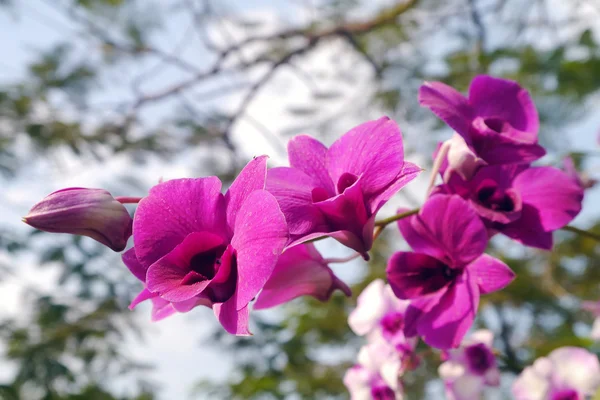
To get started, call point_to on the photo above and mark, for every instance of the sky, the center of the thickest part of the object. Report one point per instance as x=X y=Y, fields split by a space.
x=177 y=345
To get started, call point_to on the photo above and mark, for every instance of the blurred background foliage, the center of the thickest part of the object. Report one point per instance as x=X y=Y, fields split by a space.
x=102 y=92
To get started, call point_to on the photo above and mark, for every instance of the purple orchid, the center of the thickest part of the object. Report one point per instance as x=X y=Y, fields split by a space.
x=498 y=120
x=470 y=368
x=81 y=211
x=567 y=373
x=380 y=315
x=526 y=204
x=447 y=273
x=376 y=376
x=337 y=191
x=300 y=271
x=195 y=246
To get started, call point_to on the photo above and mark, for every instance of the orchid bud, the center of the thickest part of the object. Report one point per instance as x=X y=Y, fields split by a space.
x=81 y=211
x=461 y=159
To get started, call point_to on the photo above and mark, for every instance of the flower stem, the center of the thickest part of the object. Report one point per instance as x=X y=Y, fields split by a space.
x=393 y=218
x=582 y=232
x=128 y=200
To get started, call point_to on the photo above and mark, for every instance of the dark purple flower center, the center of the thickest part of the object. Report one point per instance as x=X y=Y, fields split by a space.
x=495 y=124
x=392 y=323
x=382 y=393
x=218 y=264
x=479 y=358
x=424 y=275
x=450 y=273
x=565 y=394
x=491 y=196
x=207 y=263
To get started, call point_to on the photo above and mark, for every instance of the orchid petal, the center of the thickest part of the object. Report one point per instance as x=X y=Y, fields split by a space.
x=251 y=178
x=293 y=190
x=412 y=275
x=445 y=325
x=437 y=232
x=490 y=274
x=555 y=196
x=234 y=321
x=308 y=155
x=300 y=271
x=447 y=104
x=173 y=277
x=260 y=236
x=408 y=172
x=137 y=269
x=506 y=100
x=173 y=210
x=372 y=151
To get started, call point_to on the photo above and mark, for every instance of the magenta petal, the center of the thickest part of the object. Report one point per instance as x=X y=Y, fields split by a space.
x=445 y=325
x=408 y=172
x=137 y=269
x=528 y=229
x=190 y=304
x=173 y=210
x=144 y=295
x=416 y=309
x=490 y=274
x=372 y=151
x=553 y=193
x=348 y=219
x=300 y=271
x=260 y=236
x=449 y=105
x=416 y=234
x=293 y=190
x=161 y=309
x=309 y=156
x=173 y=277
x=252 y=177
x=413 y=275
x=437 y=232
x=234 y=321
x=497 y=149
x=506 y=100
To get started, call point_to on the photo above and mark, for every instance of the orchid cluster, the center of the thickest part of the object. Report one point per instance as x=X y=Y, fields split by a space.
x=196 y=246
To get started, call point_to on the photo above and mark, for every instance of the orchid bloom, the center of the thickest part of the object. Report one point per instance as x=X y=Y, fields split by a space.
x=300 y=271
x=594 y=308
x=498 y=120
x=567 y=373
x=525 y=203
x=81 y=211
x=470 y=368
x=195 y=246
x=337 y=191
x=381 y=314
x=448 y=271
x=376 y=376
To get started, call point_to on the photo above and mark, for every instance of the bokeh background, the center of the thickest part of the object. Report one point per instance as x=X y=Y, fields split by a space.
x=121 y=93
